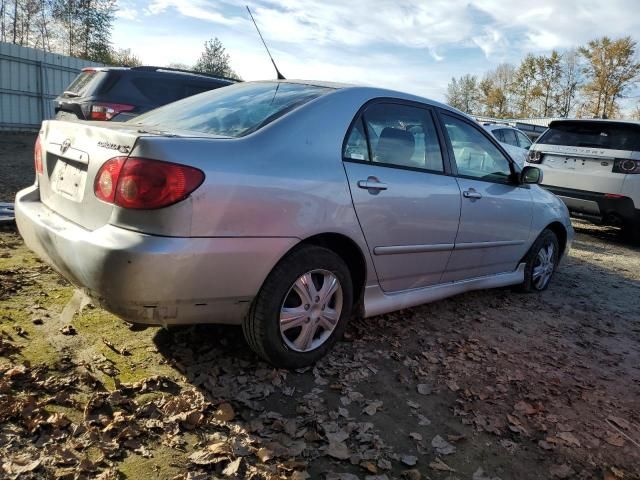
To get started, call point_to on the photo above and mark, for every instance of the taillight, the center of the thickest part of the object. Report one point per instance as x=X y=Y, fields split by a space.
x=625 y=165
x=106 y=111
x=37 y=156
x=534 y=156
x=141 y=183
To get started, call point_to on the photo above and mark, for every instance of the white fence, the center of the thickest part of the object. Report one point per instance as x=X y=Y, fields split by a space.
x=29 y=81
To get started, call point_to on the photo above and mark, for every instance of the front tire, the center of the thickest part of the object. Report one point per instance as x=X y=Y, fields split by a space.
x=541 y=262
x=302 y=308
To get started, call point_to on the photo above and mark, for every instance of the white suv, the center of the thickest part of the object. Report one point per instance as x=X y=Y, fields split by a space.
x=594 y=167
x=513 y=140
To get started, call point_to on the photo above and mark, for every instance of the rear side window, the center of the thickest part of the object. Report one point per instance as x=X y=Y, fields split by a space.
x=82 y=82
x=593 y=134
x=233 y=111
x=160 y=91
x=509 y=137
x=399 y=135
x=523 y=140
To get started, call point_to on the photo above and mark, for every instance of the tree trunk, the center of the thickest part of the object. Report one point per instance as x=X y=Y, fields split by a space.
x=15 y=20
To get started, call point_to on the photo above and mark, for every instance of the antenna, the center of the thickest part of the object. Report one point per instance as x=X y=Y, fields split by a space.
x=280 y=76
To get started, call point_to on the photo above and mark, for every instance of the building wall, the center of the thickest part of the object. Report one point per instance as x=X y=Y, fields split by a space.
x=29 y=81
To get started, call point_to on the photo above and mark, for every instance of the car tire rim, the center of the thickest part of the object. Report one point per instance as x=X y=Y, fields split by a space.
x=311 y=310
x=544 y=266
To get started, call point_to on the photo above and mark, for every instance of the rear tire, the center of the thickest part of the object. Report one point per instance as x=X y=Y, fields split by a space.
x=302 y=308
x=631 y=231
x=541 y=262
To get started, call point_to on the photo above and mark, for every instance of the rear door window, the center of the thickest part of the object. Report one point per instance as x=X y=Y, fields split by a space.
x=523 y=140
x=509 y=137
x=401 y=135
x=593 y=134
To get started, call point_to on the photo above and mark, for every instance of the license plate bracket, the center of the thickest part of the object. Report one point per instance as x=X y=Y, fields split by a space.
x=69 y=180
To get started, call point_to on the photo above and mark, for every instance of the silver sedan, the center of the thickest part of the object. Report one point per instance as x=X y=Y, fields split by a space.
x=287 y=207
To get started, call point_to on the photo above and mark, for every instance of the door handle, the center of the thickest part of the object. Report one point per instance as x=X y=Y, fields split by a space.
x=372 y=184
x=471 y=193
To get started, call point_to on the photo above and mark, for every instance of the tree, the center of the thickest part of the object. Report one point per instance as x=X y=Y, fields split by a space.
x=495 y=90
x=524 y=87
x=569 y=82
x=611 y=68
x=464 y=94
x=123 y=57
x=215 y=60
x=549 y=73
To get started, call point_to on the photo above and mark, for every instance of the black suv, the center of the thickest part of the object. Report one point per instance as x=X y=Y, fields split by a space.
x=120 y=93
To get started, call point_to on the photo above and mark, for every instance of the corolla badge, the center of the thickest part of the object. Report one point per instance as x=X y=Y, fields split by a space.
x=114 y=146
x=65 y=146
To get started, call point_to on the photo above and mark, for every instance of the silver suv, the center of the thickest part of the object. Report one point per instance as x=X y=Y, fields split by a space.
x=594 y=166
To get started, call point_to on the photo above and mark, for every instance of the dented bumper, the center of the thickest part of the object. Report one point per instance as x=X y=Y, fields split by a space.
x=150 y=279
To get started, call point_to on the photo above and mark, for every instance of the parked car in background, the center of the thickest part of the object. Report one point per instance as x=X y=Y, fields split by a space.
x=121 y=93
x=594 y=166
x=287 y=207
x=515 y=142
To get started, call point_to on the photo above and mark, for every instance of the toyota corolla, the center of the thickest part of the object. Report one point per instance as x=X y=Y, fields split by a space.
x=287 y=207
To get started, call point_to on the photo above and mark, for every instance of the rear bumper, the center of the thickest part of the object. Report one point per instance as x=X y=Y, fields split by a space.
x=150 y=279
x=612 y=210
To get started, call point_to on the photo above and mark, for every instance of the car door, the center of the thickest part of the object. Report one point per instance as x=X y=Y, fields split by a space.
x=407 y=205
x=496 y=211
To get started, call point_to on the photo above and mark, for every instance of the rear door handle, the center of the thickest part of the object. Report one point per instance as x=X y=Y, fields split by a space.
x=372 y=184
x=471 y=194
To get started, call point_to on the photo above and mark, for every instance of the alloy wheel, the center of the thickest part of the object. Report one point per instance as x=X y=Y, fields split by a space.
x=311 y=310
x=544 y=266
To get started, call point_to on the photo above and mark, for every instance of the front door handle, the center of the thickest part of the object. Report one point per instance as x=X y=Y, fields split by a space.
x=471 y=193
x=372 y=183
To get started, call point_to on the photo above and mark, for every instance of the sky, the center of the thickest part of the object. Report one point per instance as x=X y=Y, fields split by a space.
x=413 y=46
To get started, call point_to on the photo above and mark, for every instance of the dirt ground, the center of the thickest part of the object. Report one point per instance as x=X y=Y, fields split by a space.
x=483 y=386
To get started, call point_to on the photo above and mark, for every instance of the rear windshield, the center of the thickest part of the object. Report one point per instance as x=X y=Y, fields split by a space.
x=597 y=135
x=81 y=83
x=232 y=111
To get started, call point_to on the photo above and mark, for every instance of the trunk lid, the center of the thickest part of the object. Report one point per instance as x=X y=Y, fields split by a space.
x=72 y=154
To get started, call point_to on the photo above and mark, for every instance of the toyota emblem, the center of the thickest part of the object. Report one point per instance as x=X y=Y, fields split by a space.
x=65 y=146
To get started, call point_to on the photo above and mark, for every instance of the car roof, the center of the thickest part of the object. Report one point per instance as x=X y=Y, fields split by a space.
x=595 y=121
x=163 y=70
x=372 y=92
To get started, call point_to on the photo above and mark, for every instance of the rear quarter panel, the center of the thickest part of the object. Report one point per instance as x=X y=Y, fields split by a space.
x=286 y=180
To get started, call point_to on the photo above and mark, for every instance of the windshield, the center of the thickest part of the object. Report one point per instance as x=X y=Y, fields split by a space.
x=593 y=134
x=232 y=111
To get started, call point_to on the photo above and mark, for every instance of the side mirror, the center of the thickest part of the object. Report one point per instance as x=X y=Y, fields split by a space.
x=531 y=174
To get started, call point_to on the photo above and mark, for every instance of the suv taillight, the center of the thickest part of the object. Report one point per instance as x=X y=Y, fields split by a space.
x=534 y=156
x=140 y=183
x=37 y=156
x=106 y=111
x=625 y=165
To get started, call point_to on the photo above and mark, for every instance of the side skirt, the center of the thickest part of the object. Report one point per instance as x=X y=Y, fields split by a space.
x=377 y=302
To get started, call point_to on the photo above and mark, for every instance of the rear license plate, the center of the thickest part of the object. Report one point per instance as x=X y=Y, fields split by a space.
x=68 y=180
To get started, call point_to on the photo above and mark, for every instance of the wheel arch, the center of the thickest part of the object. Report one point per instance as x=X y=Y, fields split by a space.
x=561 y=233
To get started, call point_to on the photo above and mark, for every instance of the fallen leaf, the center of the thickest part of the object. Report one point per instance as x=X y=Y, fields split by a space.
x=438 y=464
x=412 y=474
x=453 y=386
x=615 y=439
x=569 y=438
x=409 y=460
x=619 y=422
x=442 y=446
x=224 y=413
x=416 y=436
x=424 y=389
x=372 y=407
x=232 y=468
x=338 y=450
x=264 y=454
x=561 y=471
x=524 y=407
